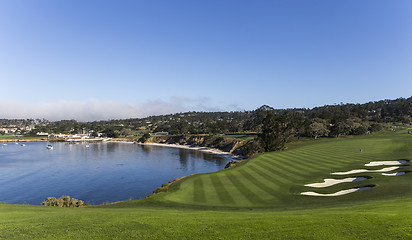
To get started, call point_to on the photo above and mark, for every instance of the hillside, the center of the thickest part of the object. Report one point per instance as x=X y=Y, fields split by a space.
x=329 y=120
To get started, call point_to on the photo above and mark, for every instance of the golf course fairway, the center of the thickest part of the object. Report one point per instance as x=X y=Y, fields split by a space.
x=258 y=199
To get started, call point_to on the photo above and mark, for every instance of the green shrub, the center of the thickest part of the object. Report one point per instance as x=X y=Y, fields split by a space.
x=160 y=189
x=63 y=201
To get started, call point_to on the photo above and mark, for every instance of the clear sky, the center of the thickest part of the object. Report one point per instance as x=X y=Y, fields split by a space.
x=91 y=60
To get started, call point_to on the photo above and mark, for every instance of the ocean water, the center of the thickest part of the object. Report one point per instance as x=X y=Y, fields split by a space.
x=99 y=173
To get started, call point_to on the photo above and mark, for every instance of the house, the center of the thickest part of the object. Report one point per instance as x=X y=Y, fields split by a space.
x=160 y=133
x=42 y=134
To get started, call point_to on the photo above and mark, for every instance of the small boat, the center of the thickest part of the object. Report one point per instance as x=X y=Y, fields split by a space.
x=23 y=145
x=87 y=145
x=16 y=143
x=49 y=147
x=4 y=144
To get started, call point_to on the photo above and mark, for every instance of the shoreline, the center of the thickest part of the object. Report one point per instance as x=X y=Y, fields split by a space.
x=226 y=155
x=23 y=140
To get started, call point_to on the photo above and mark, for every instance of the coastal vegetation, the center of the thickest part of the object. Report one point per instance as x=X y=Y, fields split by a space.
x=63 y=201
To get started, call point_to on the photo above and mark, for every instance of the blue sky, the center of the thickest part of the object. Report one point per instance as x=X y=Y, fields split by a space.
x=91 y=60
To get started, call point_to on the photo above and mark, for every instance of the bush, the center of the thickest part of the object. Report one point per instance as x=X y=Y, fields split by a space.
x=251 y=147
x=63 y=201
x=144 y=137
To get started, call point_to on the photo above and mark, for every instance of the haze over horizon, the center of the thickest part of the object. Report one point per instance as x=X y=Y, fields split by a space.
x=94 y=110
x=100 y=60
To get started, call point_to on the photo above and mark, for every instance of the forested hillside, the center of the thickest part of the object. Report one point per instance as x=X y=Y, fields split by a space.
x=273 y=127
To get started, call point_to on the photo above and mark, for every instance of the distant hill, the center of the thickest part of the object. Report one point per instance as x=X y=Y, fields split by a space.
x=324 y=121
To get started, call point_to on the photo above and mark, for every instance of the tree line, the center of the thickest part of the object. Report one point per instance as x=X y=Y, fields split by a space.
x=273 y=126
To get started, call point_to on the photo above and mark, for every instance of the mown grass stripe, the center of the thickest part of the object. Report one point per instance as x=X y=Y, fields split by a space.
x=278 y=171
x=270 y=178
x=315 y=160
x=236 y=195
x=310 y=162
x=244 y=190
x=198 y=190
x=315 y=154
x=333 y=159
x=296 y=163
x=344 y=154
x=221 y=191
x=326 y=152
x=327 y=160
x=328 y=157
x=286 y=167
x=258 y=183
x=304 y=163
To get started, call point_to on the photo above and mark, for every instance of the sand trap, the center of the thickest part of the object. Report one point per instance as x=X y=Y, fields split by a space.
x=342 y=192
x=380 y=163
x=393 y=174
x=330 y=182
x=388 y=169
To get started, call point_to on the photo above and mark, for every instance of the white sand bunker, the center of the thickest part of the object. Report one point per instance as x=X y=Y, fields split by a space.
x=342 y=192
x=393 y=174
x=388 y=169
x=380 y=163
x=330 y=182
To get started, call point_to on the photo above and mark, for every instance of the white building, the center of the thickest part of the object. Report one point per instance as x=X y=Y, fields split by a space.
x=42 y=134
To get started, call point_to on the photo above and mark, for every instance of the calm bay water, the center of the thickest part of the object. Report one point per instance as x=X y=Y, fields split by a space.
x=102 y=172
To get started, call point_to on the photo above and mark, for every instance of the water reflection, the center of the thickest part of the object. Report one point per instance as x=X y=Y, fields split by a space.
x=184 y=156
x=147 y=148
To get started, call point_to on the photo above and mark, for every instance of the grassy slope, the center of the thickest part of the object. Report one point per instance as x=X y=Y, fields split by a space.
x=275 y=180
x=377 y=220
x=242 y=136
x=258 y=199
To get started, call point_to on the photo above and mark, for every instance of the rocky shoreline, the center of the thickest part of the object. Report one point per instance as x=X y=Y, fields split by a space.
x=226 y=155
x=230 y=145
x=230 y=149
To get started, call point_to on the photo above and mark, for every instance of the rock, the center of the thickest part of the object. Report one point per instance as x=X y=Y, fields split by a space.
x=231 y=163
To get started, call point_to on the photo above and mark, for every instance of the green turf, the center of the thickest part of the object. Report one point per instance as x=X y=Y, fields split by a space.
x=375 y=220
x=242 y=136
x=275 y=180
x=7 y=136
x=21 y=138
x=259 y=199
